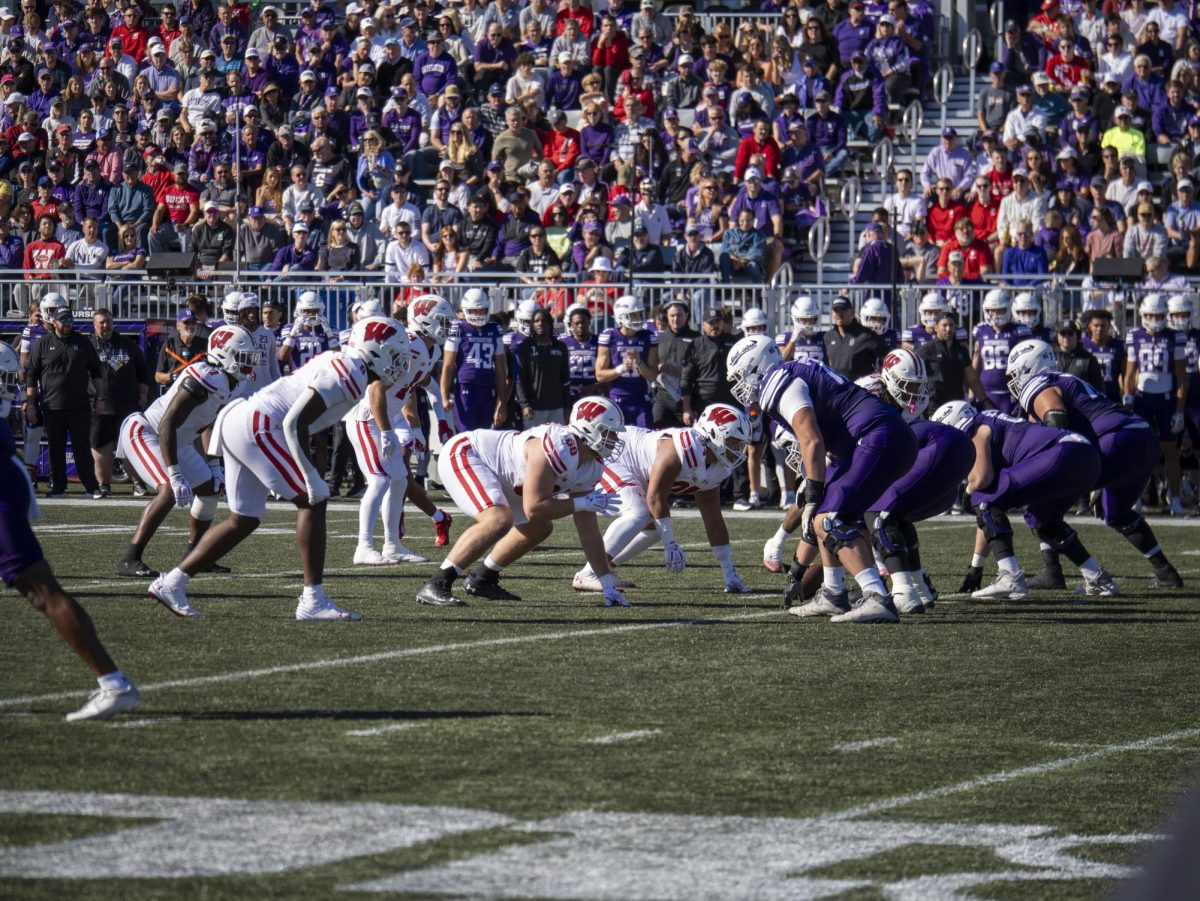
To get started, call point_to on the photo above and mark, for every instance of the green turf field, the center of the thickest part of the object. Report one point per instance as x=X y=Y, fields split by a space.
x=696 y=745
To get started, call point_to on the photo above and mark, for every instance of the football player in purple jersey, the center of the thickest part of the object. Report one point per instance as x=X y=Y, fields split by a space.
x=1127 y=445
x=993 y=339
x=627 y=361
x=876 y=316
x=474 y=369
x=805 y=340
x=1030 y=465
x=1180 y=311
x=310 y=333
x=870 y=447
x=1156 y=386
x=581 y=351
x=1027 y=311
x=933 y=307
x=1107 y=348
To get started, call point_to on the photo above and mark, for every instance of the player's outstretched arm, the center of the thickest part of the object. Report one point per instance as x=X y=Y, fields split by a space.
x=304 y=412
x=537 y=496
x=709 y=504
x=982 y=473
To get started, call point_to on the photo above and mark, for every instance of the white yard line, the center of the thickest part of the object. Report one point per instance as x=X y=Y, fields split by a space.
x=141 y=724
x=383 y=730
x=1004 y=776
x=428 y=650
x=865 y=743
x=617 y=737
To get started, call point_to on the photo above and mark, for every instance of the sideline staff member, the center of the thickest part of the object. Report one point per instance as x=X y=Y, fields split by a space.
x=128 y=379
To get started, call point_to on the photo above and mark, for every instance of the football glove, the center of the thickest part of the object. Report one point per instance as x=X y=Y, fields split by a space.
x=218 y=476
x=388 y=444
x=601 y=503
x=814 y=493
x=417 y=445
x=674 y=558
x=445 y=431
x=973 y=580
x=614 y=598
x=1176 y=422
x=179 y=487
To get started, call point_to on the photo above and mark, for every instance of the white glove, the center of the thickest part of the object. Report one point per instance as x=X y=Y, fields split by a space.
x=417 y=445
x=600 y=502
x=1176 y=423
x=318 y=491
x=218 y=476
x=807 y=515
x=614 y=598
x=179 y=487
x=736 y=586
x=674 y=558
x=388 y=444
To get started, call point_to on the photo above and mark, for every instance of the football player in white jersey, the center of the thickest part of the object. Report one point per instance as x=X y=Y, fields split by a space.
x=651 y=467
x=509 y=482
x=249 y=317
x=160 y=443
x=388 y=476
x=265 y=440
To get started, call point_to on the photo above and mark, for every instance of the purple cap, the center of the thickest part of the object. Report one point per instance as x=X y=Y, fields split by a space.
x=495 y=166
x=996 y=68
x=255 y=212
x=331 y=91
x=185 y=315
x=949 y=132
x=592 y=226
x=670 y=113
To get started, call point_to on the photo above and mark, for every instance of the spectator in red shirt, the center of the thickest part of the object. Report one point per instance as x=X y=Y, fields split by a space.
x=610 y=53
x=984 y=209
x=1001 y=174
x=157 y=176
x=45 y=204
x=560 y=145
x=177 y=211
x=977 y=256
x=759 y=141
x=169 y=30
x=577 y=11
x=133 y=36
x=45 y=253
x=943 y=213
x=1066 y=68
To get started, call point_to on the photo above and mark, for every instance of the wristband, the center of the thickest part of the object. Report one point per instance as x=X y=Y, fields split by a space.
x=173 y=470
x=814 y=491
x=666 y=529
x=608 y=582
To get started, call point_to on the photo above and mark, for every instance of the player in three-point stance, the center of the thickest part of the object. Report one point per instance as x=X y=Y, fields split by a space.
x=265 y=441
x=508 y=482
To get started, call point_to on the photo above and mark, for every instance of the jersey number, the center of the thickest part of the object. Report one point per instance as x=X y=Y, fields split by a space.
x=995 y=356
x=479 y=355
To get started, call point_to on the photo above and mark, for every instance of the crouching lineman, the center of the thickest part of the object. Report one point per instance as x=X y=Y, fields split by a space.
x=1127 y=444
x=265 y=440
x=23 y=567
x=160 y=443
x=1023 y=464
x=650 y=468
x=870 y=448
x=508 y=481
x=381 y=449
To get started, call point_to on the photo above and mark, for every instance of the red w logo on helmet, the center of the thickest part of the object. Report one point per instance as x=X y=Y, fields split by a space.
x=895 y=358
x=421 y=307
x=589 y=411
x=377 y=330
x=722 y=416
x=220 y=338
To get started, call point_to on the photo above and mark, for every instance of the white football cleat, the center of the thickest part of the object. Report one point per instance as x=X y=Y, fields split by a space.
x=365 y=555
x=908 y=602
x=398 y=553
x=320 y=608
x=586 y=580
x=1102 y=586
x=736 y=586
x=773 y=556
x=104 y=703
x=872 y=607
x=173 y=598
x=1177 y=507
x=824 y=603
x=1007 y=587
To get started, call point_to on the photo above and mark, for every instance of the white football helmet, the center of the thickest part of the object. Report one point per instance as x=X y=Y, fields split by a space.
x=997 y=309
x=1025 y=361
x=49 y=303
x=874 y=315
x=524 y=316
x=748 y=361
x=957 y=414
x=1026 y=310
x=726 y=430
x=10 y=378
x=383 y=346
x=475 y=307
x=598 y=423
x=248 y=300
x=786 y=443
x=904 y=376
x=806 y=315
x=232 y=350
x=430 y=315
x=229 y=306
x=629 y=312
x=1179 y=312
x=754 y=321
x=310 y=309
x=930 y=309
x=1153 y=313
x=361 y=309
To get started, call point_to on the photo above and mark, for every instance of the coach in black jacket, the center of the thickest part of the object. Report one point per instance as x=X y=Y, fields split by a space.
x=544 y=387
x=1075 y=360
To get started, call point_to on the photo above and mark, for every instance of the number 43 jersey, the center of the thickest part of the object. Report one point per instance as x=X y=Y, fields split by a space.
x=477 y=348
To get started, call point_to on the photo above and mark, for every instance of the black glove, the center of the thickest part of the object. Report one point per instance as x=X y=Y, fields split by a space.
x=973 y=580
x=794 y=593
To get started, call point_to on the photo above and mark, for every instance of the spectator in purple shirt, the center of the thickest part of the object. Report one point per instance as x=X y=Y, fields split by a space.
x=494 y=60
x=1169 y=118
x=861 y=98
x=434 y=69
x=565 y=84
x=596 y=137
x=852 y=34
x=828 y=132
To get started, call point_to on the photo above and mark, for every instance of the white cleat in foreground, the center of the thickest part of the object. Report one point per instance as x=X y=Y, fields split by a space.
x=773 y=556
x=1007 y=587
x=398 y=553
x=173 y=598
x=908 y=602
x=319 y=608
x=870 y=608
x=1102 y=586
x=365 y=555
x=104 y=703
x=586 y=580
x=824 y=603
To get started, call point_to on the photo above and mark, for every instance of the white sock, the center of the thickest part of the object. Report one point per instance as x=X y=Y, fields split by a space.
x=369 y=507
x=393 y=511
x=177 y=578
x=492 y=564
x=977 y=561
x=869 y=580
x=903 y=582
x=639 y=543
x=781 y=535
x=921 y=588
x=1009 y=565
x=1090 y=567
x=724 y=555
x=446 y=564
x=834 y=578
x=114 y=681
x=311 y=592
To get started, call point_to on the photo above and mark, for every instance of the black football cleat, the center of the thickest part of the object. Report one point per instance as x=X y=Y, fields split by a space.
x=438 y=595
x=483 y=583
x=136 y=569
x=218 y=568
x=1050 y=575
x=1166 y=576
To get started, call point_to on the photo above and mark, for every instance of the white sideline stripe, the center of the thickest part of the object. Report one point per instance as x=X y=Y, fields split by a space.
x=1005 y=776
x=333 y=662
x=380 y=730
x=624 y=736
x=138 y=724
x=865 y=743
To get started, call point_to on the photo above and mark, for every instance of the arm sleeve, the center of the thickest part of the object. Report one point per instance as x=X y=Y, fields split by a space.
x=794 y=398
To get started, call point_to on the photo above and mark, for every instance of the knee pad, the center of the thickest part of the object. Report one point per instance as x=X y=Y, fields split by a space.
x=1129 y=523
x=1058 y=536
x=889 y=536
x=840 y=534
x=204 y=508
x=994 y=523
